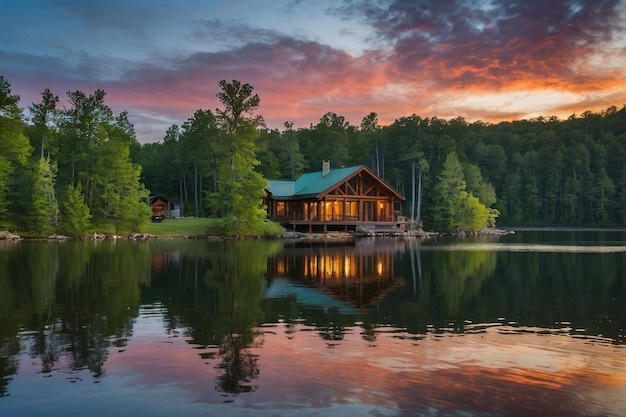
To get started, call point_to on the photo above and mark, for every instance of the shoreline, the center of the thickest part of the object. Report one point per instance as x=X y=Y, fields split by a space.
x=564 y=229
x=315 y=237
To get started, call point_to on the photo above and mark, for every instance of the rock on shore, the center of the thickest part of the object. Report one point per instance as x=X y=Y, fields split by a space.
x=5 y=235
x=486 y=231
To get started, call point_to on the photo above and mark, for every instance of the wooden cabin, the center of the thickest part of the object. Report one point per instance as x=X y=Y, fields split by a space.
x=333 y=199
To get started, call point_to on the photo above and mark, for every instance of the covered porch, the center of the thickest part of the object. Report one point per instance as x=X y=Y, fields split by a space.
x=318 y=226
x=334 y=214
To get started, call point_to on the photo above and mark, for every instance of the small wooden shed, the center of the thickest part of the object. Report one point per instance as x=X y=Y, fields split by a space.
x=161 y=207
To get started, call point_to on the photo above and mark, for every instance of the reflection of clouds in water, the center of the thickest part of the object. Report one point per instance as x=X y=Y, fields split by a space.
x=513 y=354
x=497 y=345
x=515 y=374
x=501 y=247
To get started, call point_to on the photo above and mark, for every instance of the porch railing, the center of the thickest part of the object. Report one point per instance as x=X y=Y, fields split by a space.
x=331 y=218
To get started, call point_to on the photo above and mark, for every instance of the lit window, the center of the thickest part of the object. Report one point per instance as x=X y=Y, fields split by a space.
x=280 y=208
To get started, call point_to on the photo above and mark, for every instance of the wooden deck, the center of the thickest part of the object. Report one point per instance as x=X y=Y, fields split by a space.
x=381 y=230
x=318 y=226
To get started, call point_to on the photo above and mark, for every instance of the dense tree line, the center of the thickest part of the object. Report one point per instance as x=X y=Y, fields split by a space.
x=77 y=169
x=539 y=172
x=69 y=170
x=209 y=164
x=80 y=166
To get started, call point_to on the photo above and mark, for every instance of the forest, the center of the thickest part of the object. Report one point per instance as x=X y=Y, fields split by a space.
x=539 y=172
x=78 y=168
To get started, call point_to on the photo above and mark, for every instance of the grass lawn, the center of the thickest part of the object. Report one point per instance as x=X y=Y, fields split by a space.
x=181 y=227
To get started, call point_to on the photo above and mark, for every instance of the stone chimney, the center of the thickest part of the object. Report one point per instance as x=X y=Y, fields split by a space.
x=325 y=168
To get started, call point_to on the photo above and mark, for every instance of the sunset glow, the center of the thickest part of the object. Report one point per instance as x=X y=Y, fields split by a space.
x=488 y=60
x=529 y=371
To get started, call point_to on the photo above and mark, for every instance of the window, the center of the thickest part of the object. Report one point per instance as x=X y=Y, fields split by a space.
x=352 y=210
x=280 y=208
x=311 y=214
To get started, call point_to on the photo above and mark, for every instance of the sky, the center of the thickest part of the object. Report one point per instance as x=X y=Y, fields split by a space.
x=161 y=60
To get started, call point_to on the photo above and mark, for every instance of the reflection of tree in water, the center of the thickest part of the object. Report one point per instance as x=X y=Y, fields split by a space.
x=332 y=332
x=240 y=367
x=241 y=278
x=45 y=345
x=89 y=347
x=457 y=276
x=8 y=365
x=216 y=295
x=369 y=332
x=439 y=285
x=71 y=298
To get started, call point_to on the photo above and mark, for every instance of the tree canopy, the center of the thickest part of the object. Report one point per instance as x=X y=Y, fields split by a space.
x=240 y=191
x=539 y=172
x=77 y=171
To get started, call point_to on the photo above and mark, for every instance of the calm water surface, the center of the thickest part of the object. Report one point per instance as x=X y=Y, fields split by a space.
x=530 y=324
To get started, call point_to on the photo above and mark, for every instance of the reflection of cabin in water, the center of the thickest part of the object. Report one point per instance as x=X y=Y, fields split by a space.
x=358 y=278
x=333 y=199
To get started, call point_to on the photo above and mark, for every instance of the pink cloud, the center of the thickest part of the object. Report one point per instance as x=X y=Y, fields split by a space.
x=424 y=59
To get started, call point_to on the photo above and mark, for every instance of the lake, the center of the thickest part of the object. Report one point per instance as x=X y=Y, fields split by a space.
x=530 y=324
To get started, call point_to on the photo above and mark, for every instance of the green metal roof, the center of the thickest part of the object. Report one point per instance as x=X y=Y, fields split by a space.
x=315 y=182
x=282 y=188
x=311 y=184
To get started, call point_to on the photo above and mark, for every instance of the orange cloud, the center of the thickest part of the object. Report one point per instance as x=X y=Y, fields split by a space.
x=419 y=58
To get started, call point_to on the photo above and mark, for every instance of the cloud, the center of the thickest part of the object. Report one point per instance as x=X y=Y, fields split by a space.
x=488 y=60
x=526 y=57
x=231 y=33
x=498 y=44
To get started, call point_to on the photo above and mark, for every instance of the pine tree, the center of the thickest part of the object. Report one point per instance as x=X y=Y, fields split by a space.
x=14 y=146
x=453 y=208
x=75 y=217
x=43 y=209
x=241 y=188
x=448 y=195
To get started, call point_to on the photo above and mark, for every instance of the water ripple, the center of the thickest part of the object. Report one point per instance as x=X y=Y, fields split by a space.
x=512 y=247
